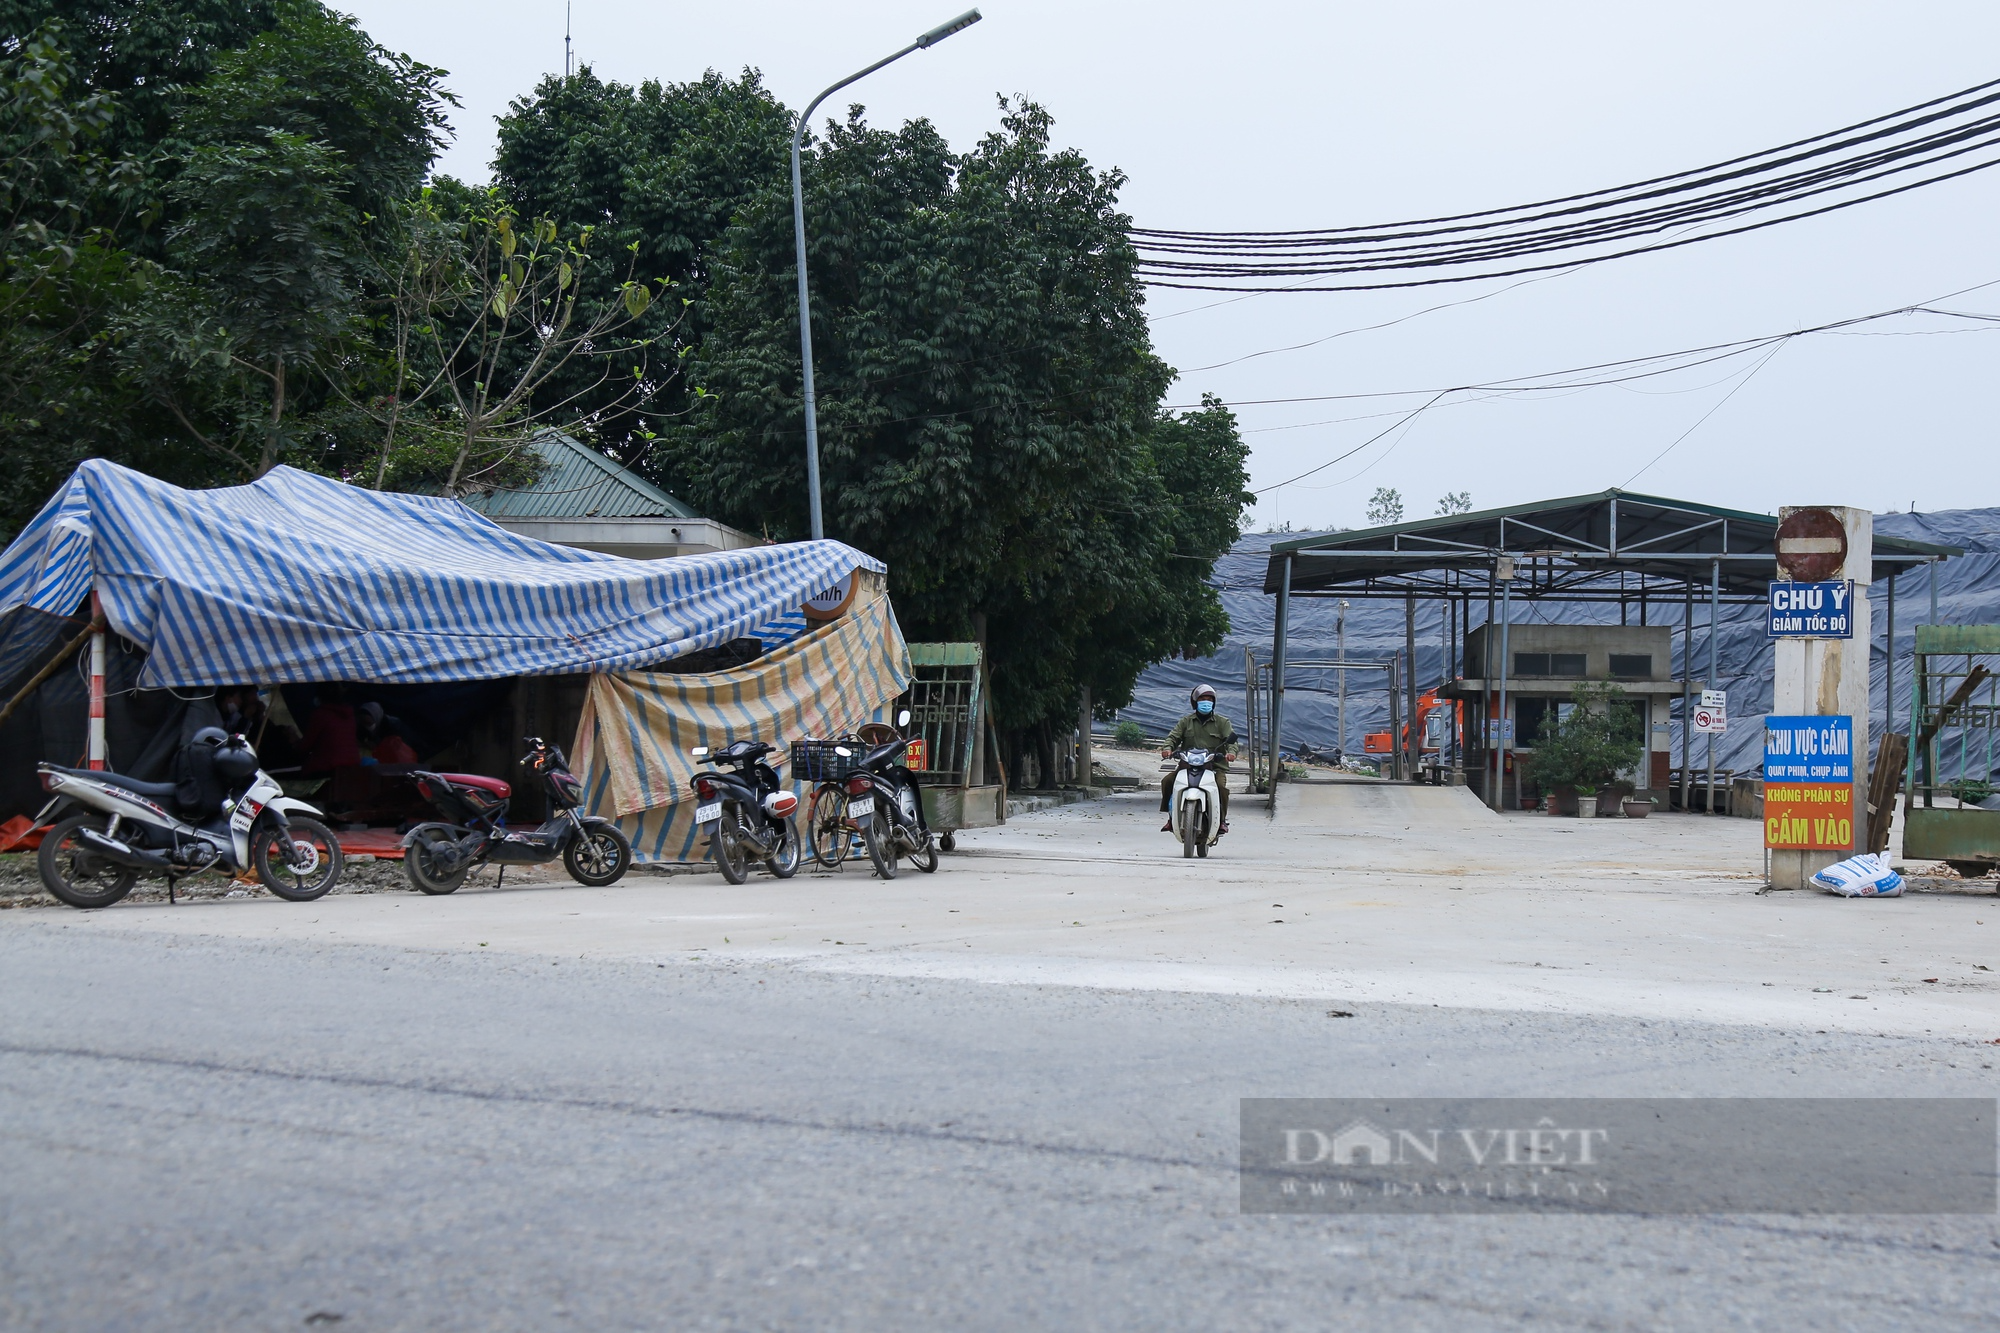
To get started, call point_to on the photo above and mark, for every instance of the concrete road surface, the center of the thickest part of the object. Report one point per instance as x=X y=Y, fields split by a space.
x=1003 y=1096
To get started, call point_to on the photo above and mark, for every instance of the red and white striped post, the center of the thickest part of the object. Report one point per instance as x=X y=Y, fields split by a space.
x=99 y=753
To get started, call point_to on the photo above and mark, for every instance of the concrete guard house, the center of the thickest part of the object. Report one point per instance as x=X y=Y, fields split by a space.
x=1667 y=565
x=588 y=501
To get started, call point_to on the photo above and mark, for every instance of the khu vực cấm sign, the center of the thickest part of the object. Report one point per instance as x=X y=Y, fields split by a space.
x=1809 y=783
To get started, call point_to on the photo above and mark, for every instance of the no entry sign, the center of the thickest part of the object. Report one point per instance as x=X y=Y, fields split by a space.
x=1812 y=545
x=1811 y=611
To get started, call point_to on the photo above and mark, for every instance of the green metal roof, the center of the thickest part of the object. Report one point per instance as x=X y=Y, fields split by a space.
x=1478 y=517
x=579 y=482
x=1602 y=541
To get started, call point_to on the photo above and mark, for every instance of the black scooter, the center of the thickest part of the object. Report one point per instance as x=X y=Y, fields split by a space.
x=437 y=857
x=745 y=812
x=885 y=802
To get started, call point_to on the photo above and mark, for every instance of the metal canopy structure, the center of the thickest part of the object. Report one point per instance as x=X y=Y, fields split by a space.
x=1614 y=546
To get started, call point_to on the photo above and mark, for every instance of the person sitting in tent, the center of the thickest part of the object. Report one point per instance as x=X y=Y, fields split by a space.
x=380 y=742
x=331 y=739
x=242 y=711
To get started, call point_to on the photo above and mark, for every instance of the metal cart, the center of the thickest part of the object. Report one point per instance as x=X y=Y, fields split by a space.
x=1954 y=757
x=946 y=700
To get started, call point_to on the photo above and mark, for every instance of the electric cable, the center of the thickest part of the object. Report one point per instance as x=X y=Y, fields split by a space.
x=1939 y=140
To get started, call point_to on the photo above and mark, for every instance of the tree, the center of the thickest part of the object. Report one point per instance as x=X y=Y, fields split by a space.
x=989 y=419
x=664 y=168
x=1455 y=502
x=1385 y=507
x=301 y=145
x=1589 y=746
x=61 y=267
x=480 y=314
x=221 y=192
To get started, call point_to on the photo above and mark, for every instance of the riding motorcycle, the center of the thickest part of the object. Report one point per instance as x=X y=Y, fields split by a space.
x=1196 y=801
x=437 y=857
x=222 y=813
x=886 y=804
x=745 y=812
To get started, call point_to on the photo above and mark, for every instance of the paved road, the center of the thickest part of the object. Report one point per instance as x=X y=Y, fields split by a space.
x=1351 y=894
x=266 y=1134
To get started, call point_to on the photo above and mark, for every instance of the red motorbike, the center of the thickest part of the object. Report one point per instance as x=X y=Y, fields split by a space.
x=437 y=857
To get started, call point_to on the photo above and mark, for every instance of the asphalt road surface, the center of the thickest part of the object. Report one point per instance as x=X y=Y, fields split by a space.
x=232 y=1133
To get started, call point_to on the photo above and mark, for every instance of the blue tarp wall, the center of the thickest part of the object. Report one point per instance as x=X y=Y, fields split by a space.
x=1968 y=594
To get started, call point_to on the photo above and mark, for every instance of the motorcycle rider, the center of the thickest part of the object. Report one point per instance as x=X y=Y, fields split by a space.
x=1203 y=729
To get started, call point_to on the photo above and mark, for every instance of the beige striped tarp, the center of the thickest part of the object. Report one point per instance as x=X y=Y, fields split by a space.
x=637 y=727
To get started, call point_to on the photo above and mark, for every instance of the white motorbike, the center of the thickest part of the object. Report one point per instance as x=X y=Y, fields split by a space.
x=1196 y=803
x=227 y=814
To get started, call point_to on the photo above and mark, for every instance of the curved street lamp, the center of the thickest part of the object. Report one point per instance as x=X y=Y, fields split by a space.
x=925 y=42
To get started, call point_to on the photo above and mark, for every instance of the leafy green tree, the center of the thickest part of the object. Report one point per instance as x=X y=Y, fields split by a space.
x=224 y=192
x=60 y=268
x=659 y=171
x=1385 y=507
x=141 y=57
x=482 y=313
x=988 y=411
x=1591 y=745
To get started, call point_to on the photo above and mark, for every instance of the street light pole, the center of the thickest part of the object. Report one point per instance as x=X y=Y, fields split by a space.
x=928 y=40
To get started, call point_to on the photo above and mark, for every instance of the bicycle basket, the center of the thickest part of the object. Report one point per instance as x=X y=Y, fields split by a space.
x=815 y=761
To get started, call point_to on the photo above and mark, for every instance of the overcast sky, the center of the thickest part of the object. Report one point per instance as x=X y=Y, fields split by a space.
x=1263 y=116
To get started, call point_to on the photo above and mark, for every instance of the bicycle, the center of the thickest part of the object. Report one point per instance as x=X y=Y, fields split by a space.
x=831 y=836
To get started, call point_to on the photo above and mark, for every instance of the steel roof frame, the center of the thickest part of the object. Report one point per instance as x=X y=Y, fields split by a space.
x=1406 y=558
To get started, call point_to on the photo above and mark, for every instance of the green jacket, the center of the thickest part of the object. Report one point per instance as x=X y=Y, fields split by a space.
x=1195 y=732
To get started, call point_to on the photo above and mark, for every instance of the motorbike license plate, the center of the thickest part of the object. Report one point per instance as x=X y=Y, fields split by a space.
x=861 y=807
x=708 y=814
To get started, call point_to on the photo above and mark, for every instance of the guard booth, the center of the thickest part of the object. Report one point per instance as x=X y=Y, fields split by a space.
x=950 y=729
x=1950 y=812
x=1546 y=662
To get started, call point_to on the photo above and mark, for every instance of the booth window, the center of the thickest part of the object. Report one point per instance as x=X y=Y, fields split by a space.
x=1548 y=664
x=1635 y=665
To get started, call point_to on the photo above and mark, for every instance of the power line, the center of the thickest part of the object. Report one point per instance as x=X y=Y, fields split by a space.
x=1677 y=361
x=1938 y=140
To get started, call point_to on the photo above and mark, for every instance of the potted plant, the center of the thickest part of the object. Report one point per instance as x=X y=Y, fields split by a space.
x=1611 y=797
x=1587 y=749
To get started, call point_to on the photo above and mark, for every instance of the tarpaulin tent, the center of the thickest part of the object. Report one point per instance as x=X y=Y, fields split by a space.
x=297 y=578
x=638 y=727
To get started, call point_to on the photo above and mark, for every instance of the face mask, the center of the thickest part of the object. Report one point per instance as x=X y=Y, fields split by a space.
x=1205 y=707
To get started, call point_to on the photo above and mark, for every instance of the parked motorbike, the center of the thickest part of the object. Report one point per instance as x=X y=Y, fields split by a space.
x=745 y=812
x=437 y=857
x=1196 y=801
x=223 y=813
x=885 y=802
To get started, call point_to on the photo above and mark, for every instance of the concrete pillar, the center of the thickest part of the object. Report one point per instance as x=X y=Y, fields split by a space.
x=1824 y=677
x=1278 y=630
x=97 y=750
x=976 y=763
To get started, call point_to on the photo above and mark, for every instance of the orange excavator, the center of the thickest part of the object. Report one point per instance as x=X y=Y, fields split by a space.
x=1431 y=721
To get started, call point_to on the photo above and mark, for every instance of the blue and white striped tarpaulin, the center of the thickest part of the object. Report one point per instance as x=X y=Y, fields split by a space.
x=298 y=578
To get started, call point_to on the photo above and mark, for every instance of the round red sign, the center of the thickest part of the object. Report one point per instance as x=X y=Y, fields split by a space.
x=1812 y=546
